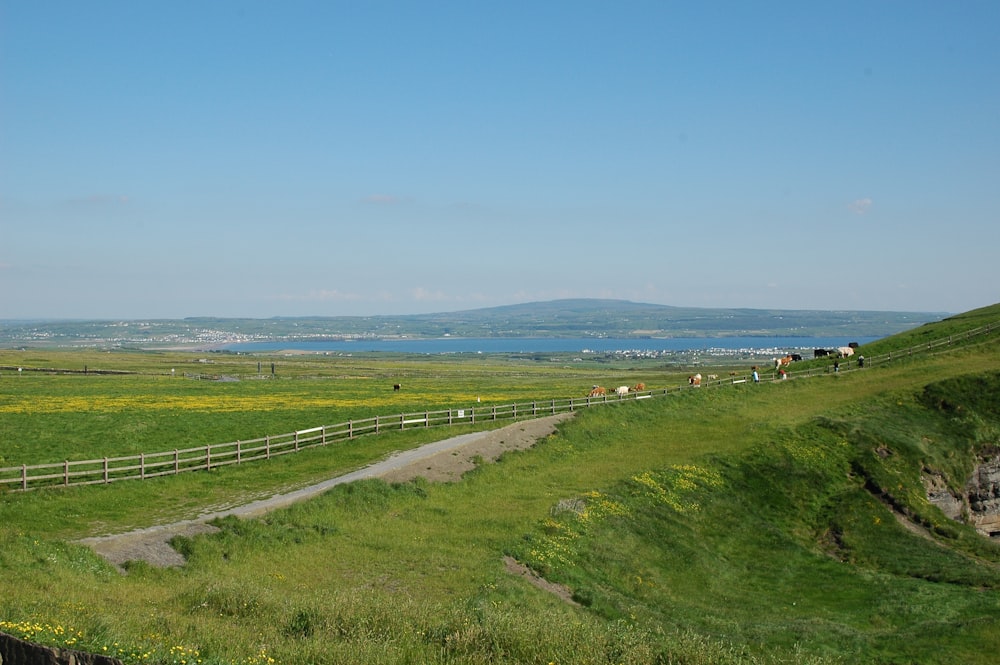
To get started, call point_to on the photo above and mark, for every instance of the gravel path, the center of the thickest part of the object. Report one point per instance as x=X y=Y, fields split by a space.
x=441 y=461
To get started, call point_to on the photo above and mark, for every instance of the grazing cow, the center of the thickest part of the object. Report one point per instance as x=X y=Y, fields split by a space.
x=782 y=362
x=853 y=345
x=396 y=386
x=597 y=391
x=819 y=353
x=695 y=380
x=796 y=357
x=621 y=391
x=845 y=351
x=639 y=387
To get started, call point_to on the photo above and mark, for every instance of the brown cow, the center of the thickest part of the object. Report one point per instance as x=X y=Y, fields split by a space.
x=597 y=391
x=638 y=387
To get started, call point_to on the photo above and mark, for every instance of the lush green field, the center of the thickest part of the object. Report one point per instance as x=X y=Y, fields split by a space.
x=745 y=524
x=47 y=416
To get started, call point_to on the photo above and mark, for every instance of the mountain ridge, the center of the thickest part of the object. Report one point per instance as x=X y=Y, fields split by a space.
x=578 y=318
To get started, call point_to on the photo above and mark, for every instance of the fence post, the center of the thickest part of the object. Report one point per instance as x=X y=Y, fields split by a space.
x=322 y=435
x=535 y=409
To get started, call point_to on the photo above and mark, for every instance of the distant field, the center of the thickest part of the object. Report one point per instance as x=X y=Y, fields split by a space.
x=51 y=416
x=729 y=525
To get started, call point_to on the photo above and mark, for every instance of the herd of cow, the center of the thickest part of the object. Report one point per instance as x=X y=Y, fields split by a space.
x=695 y=379
x=779 y=364
x=839 y=352
x=599 y=391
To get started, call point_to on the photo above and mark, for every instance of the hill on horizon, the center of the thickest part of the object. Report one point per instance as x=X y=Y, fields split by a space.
x=577 y=318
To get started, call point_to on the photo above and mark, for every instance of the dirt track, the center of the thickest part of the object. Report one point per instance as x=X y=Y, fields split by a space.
x=442 y=461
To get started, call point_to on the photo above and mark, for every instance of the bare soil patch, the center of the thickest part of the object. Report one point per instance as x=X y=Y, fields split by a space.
x=442 y=461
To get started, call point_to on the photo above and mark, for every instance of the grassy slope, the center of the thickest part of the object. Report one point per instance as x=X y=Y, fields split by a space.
x=715 y=526
x=751 y=547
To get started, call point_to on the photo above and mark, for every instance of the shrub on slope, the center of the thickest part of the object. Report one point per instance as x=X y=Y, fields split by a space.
x=821 y=542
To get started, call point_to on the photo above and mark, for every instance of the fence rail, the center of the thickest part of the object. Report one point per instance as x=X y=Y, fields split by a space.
x=153 y=465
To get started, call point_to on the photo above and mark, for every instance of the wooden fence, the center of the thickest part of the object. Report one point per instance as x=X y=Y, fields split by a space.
x=152 y=465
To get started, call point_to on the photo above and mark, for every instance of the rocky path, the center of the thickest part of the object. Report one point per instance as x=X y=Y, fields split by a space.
x=441 y=461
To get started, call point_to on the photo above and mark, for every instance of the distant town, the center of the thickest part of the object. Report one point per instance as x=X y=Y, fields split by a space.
x=576 y=319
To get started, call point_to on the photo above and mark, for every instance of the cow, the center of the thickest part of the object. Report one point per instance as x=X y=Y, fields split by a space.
x=845 y=351
x=695 y=380
x=396 y=387
x=621 y=391
x=639 y=387
x=820 y=353
x=597 y=391
x=712 y=377
x=796 y=357
x=782 y=362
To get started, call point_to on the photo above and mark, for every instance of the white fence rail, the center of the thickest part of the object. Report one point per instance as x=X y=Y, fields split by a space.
x=152 y=465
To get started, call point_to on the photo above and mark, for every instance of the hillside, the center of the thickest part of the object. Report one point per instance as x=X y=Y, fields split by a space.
x=558 y=318
x=823 y=519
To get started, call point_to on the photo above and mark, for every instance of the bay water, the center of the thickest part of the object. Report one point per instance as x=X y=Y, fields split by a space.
x=446 y=345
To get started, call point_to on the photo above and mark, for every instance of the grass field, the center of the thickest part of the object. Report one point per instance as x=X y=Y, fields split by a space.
x=745 y=524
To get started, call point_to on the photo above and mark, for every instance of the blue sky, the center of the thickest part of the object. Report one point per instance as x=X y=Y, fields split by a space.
x=163 y=160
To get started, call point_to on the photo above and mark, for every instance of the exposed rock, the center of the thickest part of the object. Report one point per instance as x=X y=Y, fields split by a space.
x=942 y=497
x=983 y=492
x=979 y=505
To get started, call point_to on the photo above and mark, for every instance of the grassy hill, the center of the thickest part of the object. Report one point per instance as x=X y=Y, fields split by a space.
x=774 y=523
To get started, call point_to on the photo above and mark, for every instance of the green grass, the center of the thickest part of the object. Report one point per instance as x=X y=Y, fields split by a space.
x=51 y=417
x=748 y=524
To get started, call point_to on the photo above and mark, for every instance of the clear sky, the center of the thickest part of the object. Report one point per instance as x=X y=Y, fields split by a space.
x=251 y=158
